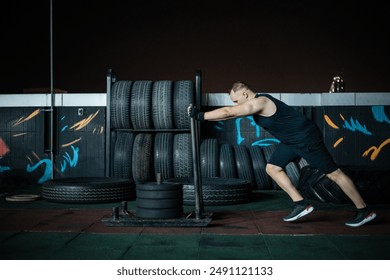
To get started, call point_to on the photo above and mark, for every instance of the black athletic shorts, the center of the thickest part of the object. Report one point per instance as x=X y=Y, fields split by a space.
x=319 y=158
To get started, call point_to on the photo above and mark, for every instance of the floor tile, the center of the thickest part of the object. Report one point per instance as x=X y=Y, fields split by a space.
x=289 y=247
x=362 y=247
x=32 y=246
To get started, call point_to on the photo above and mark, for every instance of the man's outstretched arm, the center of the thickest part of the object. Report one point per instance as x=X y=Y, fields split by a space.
x=250 y=107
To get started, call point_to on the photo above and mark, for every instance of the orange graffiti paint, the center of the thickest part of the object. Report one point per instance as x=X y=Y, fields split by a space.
x=376 y=150
x=29 y=117
x=84 y=122
x=70 y=143
x=338 y=142
x=330 y=122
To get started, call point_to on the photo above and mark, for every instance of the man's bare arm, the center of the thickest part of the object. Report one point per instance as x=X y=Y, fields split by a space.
x=250 y=107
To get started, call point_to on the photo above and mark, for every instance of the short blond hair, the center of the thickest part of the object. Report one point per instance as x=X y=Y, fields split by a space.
x=239 y=85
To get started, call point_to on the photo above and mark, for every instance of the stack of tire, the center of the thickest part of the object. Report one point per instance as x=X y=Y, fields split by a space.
x=242 y=162
x=150 y=105
x=151 y=129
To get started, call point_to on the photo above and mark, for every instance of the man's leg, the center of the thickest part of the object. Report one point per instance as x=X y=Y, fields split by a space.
x=274 y=168
x=301 y=206
x=280 y=177
x=322 y=160
x=348 y=187
x=364 y=214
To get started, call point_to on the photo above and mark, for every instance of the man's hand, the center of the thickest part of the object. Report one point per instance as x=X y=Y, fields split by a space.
x=194 y=113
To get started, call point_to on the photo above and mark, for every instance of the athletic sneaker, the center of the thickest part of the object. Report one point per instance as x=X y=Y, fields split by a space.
x=298 y=212
x=361 y=218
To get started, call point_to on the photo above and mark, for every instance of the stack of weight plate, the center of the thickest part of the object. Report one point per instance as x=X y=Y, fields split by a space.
x=159 y=200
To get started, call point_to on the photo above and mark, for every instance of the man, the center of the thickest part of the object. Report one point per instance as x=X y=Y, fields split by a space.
x=299 y=138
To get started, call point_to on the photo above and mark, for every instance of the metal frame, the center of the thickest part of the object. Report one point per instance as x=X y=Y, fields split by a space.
x=122 y=217
x=110 y=80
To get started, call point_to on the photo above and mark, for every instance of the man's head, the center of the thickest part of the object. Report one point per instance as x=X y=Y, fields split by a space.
x=240 y=93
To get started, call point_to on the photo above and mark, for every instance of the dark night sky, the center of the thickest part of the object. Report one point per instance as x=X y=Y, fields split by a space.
x=275 y=46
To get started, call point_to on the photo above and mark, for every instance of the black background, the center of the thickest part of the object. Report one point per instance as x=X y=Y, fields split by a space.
x=274 y=46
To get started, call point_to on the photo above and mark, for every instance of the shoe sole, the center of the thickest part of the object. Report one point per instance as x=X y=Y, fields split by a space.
x=367 y=219
x=308 y=210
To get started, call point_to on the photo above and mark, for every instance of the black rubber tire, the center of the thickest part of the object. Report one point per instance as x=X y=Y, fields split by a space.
x=293 y=172
x=227 y=163
x=302 y=163
x=182 y=156
x=217 y=191
x=263 y=180
x=160 y=194
x=183 y=96
x=123 y=149
x=330 y=191
x=161 y=203
x=149 y=213
x=244 y=164
x=313 y=194
x=163 y=155
x=209 y=158
x=88 y=190
x=318 y=186
x=142 y=158
x=155 y=187
x=120 y=104
x=304 y=175
x=141 y=103
x=268 y=151
x=162 y=105
x=338 y=193
x=308 y=177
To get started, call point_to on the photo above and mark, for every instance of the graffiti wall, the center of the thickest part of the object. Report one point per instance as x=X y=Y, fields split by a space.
x=81 y=142
x=356 y=136
x=25 y=140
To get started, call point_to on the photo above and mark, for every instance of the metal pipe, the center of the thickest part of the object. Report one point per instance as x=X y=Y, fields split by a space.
x=108 y=123
x=51 y=93
x=196 y=166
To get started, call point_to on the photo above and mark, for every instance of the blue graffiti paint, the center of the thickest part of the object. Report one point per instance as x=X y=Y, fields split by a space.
x=64 y=128
x=46 y=175
x=356 y=126
x=240 y=139
x=219 y=125
x=266 y=142
x=72 y=161
x=379 y=114
x=4 y=168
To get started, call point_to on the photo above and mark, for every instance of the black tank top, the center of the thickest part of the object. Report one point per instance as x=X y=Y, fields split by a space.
x=290 y=126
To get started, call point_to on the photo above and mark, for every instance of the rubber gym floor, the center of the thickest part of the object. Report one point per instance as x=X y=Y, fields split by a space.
x=43 y=230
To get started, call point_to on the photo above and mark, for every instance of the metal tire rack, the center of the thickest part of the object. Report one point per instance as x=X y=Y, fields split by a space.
x=120 y=215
